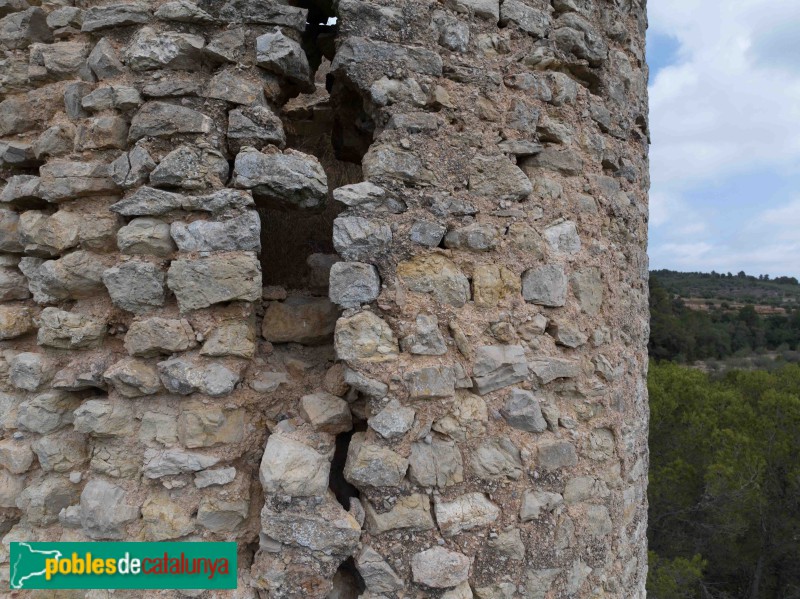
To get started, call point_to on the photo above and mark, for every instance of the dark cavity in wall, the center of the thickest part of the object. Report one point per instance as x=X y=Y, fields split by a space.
x=342 y=489
x=347 y=582
x=297 y=247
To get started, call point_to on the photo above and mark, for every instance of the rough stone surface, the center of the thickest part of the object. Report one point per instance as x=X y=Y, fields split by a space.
x=440 y=568
x=136 y=286
x=353 y=284
x=465 y=512
x=373 y=465
x=499 y=366
x=365 y=336
x=522 y=411
x=545 y=286
x=288 y=178
x=437 y=276
x=293 y=467
x=431 y=386
x=202 y=282
x=309 y=321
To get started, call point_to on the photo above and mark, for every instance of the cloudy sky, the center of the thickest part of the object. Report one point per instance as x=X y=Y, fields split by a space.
x=725 y=124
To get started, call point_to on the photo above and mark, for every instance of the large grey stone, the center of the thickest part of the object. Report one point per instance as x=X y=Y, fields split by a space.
x=147 y=201
x=46 y=412
x=498 y=366
x=575 y=35
x=563 y=238
x=306 y=320
x=367 y=197
x=115 y=15
x=9 y=231
x=191 y=167
x=356 y=238
x=497 y=459
x=162 y=119
x=183 y=11
x=104 y=61
x=133 y=168
x=69 y=330
x=48 y=236
x=550 y=369
x=327 y=528
x=370 y=465
x=356 y=51
x=233 y=338
x=387 y=162
x=146 y=236
x=438 y=276
x=133 y=378
x=76 y=275
x=522 y=411
x=410 y=512
x=64 y=452
x=20 y=189
x=294 y=468
x=427 y=233
x=436 y=464
x=29 y=371
x=158 y=463
x=497 y=178
x=60 y=60
x=393 y=422
x=369 y=387
x=554 y=455
x=378 y=575
x=264 y=13
x=545 y=286
x=534 y=503
x=255 y=126
x=19 y=30
x=588 y=287
x=202 y=282
x=105 y=510
x=103 y=418
x=476 y=237
x=432 y=382
x=440 y=568
x=242 y=232
x=284 y=56
x=184 y=377
x=135 y=286
x=61 y=180
x=531 y=20
x=41 y=501
x=364 y=336
x=353 y=284
x=150 y=50
x=465 y=512
x=291 y=178
x=15 y=456
x=326 y=412
x=426 y=339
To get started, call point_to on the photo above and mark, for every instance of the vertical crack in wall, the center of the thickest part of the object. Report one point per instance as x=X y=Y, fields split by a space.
x=297 y=247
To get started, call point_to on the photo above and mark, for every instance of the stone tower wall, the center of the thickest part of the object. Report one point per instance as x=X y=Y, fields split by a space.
x=369 y=299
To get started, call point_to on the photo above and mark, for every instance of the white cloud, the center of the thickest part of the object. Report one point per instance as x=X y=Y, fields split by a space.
x=786 y=218
x=729 y=107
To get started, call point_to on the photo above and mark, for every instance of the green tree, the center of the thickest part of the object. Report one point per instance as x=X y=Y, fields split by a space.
x=725 y=480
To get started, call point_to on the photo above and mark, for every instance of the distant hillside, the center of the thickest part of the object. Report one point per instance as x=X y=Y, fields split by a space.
x=697 y=316
x=738 y=288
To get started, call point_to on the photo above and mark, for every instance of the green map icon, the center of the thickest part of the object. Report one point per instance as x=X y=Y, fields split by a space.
x=29 y=563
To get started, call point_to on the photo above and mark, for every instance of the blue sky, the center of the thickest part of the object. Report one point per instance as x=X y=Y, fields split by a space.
x=725 y=126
